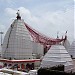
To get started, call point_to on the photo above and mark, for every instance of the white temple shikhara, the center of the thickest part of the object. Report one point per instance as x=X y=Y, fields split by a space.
x=57 y=55
x=17 y=42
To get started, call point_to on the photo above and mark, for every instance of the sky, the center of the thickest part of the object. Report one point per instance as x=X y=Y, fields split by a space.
x=48 y=17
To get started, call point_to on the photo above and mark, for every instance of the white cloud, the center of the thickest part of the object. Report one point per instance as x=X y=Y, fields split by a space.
x=48 y=22
x=10 y=12
x=2 y=27
x=7 y=1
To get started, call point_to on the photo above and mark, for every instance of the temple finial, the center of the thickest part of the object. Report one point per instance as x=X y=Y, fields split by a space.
x=66 y=35
x=18 y=15
x=57 y=35
x=62 y=36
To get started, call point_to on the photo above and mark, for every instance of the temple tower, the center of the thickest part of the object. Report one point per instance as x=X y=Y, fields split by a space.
x=57 y=55
x=17 y=41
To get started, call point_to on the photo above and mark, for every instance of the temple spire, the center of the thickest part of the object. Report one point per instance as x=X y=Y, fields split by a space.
x=66 y=35
x=57 y=35
x=18 y=15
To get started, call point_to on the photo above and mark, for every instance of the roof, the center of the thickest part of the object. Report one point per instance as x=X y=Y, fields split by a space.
x=55 y=56
x=17 y=42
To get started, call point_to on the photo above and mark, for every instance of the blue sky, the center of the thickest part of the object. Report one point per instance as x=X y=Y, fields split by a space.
x=46 y=16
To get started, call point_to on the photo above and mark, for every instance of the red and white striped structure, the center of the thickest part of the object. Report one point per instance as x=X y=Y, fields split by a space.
x=42 y=39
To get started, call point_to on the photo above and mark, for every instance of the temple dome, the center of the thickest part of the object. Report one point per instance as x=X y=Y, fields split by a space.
x=72 y=49
x=17 y=41
x=55 y=56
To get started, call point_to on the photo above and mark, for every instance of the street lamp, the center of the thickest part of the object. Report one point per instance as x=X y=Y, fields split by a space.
x=1 y=37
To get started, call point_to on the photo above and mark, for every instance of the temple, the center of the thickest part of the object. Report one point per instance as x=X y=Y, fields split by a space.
x=26 y=48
